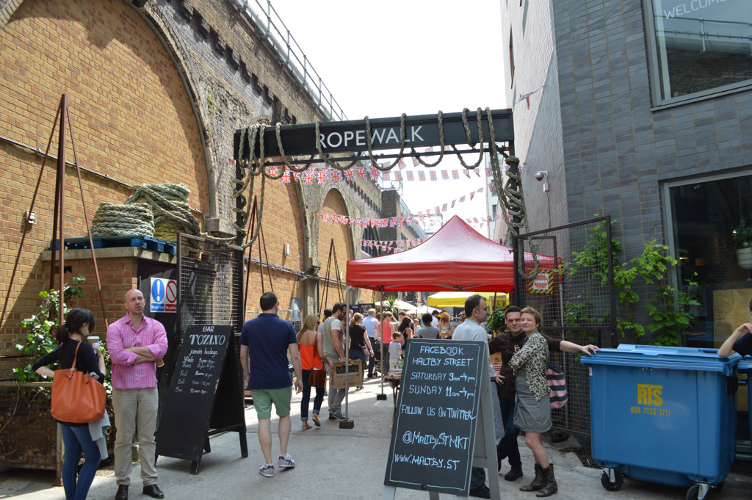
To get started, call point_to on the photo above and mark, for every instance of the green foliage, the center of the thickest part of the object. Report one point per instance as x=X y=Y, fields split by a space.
x=579 y=313
x=669 y=309
x=495 y=323
x=669 y=321
x=41 y=328
x=391 y=299
x=742 y=235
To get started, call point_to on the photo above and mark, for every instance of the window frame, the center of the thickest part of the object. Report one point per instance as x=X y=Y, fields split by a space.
x=669 y=229
x=654 y=70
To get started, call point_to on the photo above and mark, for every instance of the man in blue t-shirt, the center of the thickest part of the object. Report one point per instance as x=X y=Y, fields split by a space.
x=266 y=340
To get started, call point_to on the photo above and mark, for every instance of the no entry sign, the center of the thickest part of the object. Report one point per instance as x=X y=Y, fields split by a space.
x=542 y=283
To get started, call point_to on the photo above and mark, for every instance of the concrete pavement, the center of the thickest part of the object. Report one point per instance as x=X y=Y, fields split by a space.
x=334 y=463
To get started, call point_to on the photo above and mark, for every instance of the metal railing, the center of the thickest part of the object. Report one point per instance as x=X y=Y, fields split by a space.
x=265 y=19
x=703 y=31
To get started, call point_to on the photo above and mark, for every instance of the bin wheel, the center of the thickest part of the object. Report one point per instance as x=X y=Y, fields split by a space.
x=616 y=485
x=694 y=491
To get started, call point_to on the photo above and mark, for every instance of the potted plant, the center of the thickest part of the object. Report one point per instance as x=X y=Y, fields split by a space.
x=742 y=235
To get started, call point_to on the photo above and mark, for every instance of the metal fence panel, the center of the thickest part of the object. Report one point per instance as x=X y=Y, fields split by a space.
x=576 y=300
x=209 y=284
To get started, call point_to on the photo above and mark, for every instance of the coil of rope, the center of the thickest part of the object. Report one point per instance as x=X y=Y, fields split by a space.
x=135 y=219
x=169 y=205
x=513 y=199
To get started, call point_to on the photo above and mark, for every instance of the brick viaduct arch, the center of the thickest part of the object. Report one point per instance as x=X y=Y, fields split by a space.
x=209 y=65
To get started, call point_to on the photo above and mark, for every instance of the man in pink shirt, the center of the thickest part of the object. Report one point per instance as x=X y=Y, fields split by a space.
x=135 y=342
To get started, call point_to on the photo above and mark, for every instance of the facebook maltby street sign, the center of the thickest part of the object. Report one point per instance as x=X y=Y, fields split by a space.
x=164 y=295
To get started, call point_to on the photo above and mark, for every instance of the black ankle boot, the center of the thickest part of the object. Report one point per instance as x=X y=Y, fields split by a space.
x=537 y=482
x=549 y=487
x=122 y=492
x=514 y=474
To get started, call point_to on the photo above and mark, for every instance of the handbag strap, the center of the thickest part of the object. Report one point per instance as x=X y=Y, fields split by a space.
x=316 y=353
x=75 y=357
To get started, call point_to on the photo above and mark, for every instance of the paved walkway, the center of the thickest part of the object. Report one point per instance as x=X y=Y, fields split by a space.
x=334 y=463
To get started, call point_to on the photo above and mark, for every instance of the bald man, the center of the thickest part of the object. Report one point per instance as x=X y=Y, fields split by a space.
x=135 y=342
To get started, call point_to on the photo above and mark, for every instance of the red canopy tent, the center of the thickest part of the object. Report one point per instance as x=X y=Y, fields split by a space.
x=457 y=257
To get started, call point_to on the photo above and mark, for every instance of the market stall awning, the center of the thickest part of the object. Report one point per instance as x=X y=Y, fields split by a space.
x=457 y=299
x=456 y=258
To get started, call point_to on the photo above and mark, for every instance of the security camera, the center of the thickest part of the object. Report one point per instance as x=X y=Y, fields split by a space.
x=540 y=174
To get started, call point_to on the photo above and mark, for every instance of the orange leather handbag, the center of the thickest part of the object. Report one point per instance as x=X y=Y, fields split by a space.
x=76 y=397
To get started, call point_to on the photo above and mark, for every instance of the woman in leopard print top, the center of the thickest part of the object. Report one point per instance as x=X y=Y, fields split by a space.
x=533 y=411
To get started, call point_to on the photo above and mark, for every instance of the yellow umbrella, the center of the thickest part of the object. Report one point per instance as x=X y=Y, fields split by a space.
x=457 y=299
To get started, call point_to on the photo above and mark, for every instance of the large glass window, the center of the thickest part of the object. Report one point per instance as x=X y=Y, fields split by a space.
x=699 y=46
x=710 y=227
x=711 y=233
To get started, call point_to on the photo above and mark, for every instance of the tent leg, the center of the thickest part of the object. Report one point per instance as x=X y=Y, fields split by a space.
x=382 y=396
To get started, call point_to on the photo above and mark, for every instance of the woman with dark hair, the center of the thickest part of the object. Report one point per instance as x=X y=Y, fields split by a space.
x=311 y=357
x=72 y=334
x=359 y=341
x=533 y=407
x=405 y=328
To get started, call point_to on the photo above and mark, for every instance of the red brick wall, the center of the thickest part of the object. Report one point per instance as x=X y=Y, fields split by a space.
x=282 y=224
x=118 y=275
x=132 y=119
x=340 y=233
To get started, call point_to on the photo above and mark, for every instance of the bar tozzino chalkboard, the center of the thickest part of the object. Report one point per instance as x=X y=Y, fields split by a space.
x=188 y=408
x=433 y=436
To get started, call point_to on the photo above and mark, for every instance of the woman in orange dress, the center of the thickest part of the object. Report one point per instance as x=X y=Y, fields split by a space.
x=311 y=357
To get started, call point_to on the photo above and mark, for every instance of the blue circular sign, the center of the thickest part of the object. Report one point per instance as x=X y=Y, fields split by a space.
x=157 y=291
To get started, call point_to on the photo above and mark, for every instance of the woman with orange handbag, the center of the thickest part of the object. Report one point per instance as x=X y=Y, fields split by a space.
x=76 y=437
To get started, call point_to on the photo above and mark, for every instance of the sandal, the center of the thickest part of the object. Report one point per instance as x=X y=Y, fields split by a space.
x=306 y=426
x=315 y=418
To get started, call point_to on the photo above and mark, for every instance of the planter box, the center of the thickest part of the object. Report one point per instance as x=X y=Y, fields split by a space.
x=29 y=436
x=28 y=433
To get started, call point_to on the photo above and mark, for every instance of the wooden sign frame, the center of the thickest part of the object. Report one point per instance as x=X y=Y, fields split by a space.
x=482 y=440
x=201 y=371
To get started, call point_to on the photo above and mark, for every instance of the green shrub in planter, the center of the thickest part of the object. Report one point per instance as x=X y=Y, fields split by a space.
x=41 y=328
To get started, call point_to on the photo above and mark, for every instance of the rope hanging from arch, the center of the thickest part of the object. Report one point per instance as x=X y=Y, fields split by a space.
x=510 y=193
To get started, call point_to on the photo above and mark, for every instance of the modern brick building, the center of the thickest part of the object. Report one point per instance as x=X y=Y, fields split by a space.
x=642 y=110
x=156 y=89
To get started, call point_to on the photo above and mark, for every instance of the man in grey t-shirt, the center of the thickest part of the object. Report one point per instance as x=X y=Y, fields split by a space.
x=476 y=310
x=428 y=331
x=334 y=349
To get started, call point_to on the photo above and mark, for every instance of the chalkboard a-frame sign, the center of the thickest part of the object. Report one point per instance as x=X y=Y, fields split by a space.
x=443 y=419
x=205 y=395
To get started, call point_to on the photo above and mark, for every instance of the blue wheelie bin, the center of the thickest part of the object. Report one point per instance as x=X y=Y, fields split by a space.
x=662 y=414
x=745 y=366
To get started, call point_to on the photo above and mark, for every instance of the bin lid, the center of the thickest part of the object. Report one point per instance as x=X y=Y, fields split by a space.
x=745 y=364
x=671 y=358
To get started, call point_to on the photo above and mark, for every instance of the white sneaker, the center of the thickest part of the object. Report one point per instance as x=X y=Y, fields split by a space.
x=267 y=470
x=286 y=462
